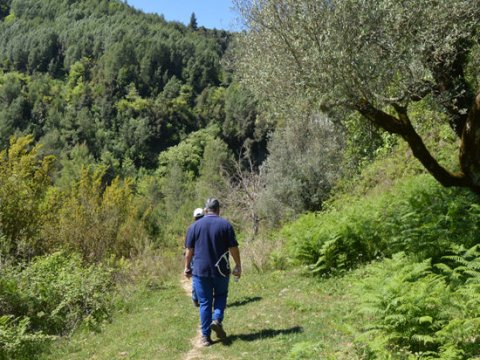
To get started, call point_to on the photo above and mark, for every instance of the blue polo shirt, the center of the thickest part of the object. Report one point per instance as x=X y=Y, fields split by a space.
x=211 y=237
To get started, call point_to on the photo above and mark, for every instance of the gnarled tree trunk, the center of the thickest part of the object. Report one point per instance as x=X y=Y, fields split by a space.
x=470 y=147
x=469 y=150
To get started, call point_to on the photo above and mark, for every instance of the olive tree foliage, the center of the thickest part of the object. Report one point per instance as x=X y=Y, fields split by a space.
x=301 y=169
x=375 y=57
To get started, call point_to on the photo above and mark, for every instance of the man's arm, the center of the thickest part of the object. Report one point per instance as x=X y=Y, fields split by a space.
x=188 y=260
x=237 y=271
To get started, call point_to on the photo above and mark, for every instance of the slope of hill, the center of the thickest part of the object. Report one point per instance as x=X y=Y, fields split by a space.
x=126 y=84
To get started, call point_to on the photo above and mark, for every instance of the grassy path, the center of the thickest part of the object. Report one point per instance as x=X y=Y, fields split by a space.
x=156 y=325
x=196 y=350
x=278 y=315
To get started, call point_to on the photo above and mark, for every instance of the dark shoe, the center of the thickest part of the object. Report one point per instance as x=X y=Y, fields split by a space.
x=218 y=329
x=195 y=303
x=206 y=341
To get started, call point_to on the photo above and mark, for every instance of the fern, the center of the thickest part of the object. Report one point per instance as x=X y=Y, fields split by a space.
x=423 y=311
x=460 y=265
x=417 y=217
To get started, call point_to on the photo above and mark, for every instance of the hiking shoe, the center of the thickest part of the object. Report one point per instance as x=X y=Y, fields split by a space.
x=218 y=329
x=206 y=341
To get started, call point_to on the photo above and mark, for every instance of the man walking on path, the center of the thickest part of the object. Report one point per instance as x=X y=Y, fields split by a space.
x=209 y=242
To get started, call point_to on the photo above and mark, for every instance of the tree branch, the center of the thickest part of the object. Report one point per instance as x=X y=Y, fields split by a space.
x=402 y=126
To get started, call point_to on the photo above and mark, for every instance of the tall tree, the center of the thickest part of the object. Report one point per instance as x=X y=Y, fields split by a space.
x=193 y=22
x=375 y=58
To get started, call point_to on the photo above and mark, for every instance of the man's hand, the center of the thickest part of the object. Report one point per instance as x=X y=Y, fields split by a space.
x=237 y=271
x=188 y=261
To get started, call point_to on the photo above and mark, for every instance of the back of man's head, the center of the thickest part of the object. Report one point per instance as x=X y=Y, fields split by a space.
x=198 y=213
x=212 y=205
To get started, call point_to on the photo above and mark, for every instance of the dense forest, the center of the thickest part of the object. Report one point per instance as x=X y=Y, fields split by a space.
x=124 y=84
x=332 y=148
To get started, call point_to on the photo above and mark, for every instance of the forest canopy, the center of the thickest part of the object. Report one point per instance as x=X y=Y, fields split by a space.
x=126 y=84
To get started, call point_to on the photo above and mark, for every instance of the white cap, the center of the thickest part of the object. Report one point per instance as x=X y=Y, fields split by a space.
x=198 y=213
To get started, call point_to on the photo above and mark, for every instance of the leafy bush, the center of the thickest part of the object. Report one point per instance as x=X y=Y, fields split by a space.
x=331 y=241
x=417 y=216
x=16 y=342
x=24 y=179
x=414 y=312
x=461 y=268
x=406 y=303
x=188 y=153
x=56 y=294
x=95 y=219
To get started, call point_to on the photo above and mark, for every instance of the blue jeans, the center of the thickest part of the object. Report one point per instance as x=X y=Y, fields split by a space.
x=210 y=292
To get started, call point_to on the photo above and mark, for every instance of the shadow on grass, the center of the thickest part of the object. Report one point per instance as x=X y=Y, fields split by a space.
x=245 y=301
x=262 y=334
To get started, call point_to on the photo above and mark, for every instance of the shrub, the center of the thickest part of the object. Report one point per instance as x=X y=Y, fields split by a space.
x=24 y=179
x=56 y=294
x=301 y=168
x=416 y=216
x=95 y=219
x=461 y=269
x=16 y=342
x=406 y=303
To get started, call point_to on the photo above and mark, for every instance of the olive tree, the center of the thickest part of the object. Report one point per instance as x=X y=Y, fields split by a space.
x=375 y=57
x=301 y=169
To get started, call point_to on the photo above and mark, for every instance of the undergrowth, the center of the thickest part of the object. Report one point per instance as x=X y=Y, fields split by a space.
x=422 y=310
x=417 y=216
x=50 y=296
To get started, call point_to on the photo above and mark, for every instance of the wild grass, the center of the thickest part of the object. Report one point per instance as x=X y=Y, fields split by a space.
x=156 y=325
x=270 y=315
x=388 y=309
x=285 y=315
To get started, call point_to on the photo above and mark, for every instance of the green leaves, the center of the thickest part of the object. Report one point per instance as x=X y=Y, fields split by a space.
x=409 y=309
x=346 y=50
x=51 y=296
x=24 y=179
x=373 y=57
x=17 y=342
x=417 y=216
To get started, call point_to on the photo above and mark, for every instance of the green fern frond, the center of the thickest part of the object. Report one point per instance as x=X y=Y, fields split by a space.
x=443 y=267
x=424 y=339
x=456 y=258
x=396 y=319
x=472 y=273
x=425 y=320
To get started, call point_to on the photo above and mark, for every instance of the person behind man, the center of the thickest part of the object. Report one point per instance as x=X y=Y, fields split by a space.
x=198 y=213
x=209 y=242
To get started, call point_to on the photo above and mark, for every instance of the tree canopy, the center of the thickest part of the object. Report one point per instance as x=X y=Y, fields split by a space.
x=375 y=58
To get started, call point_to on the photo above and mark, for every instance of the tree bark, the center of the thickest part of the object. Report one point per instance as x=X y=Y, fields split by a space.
x=470 y=146
x=452 y=90
x=402 y=126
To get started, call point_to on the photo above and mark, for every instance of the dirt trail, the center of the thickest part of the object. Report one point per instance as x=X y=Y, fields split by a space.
x=195 y=352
